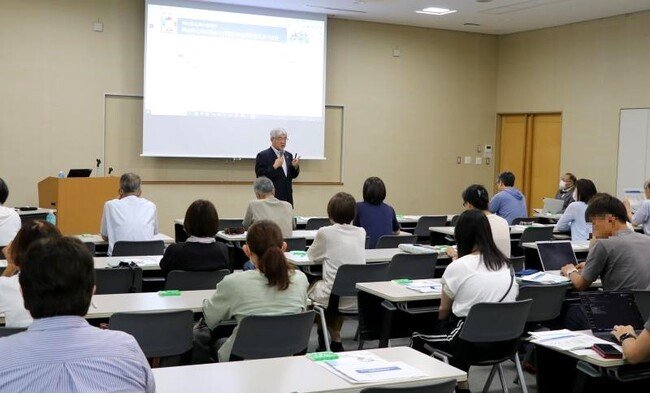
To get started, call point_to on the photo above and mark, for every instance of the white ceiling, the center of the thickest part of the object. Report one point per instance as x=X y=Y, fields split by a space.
x=494 y=16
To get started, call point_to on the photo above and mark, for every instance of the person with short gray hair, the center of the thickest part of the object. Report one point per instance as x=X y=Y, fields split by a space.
x=129 y=217
x=268 y=207
x=278 y=165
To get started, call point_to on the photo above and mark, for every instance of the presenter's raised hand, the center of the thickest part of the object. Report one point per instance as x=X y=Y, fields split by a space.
x=278 y=162
x=296 y=161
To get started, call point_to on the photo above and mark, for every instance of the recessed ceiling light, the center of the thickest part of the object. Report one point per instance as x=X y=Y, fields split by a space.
x=435 y=11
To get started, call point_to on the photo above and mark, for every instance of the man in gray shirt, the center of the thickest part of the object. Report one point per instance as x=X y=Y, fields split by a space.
x=267 y=207
x=619 y=256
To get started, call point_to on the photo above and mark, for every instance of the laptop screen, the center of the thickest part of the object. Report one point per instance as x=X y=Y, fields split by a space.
x=607 y=309
x=555 y=255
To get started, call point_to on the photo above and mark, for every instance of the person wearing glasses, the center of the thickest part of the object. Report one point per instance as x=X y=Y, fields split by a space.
x=280 y=166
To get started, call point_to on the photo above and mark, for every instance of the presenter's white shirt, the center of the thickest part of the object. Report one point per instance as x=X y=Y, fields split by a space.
x=11 y=303
x=129 y=219
x=9 y=225
x=500 y=233
x=284 y=162
x=468 y=281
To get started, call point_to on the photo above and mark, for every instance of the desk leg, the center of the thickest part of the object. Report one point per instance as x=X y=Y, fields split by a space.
x=556 y=372
x=388 y=312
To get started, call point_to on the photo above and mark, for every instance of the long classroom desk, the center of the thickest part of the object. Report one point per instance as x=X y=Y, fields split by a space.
x=147 y=263
x=98 y=240
x=105 y=305
x=35 y=214
x=514 y=230
x=291 y=374
x=372 y=256
x=307 y=234
x=581 y=248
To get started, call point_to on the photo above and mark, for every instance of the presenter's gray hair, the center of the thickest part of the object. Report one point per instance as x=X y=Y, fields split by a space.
x=130 y=183
x=263 y=186
x=277 y=132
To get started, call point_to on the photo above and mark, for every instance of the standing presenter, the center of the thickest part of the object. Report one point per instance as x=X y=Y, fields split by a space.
x=280 y=166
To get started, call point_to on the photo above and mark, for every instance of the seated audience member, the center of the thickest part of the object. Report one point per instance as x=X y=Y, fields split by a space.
x=60 y=351
x=477 y=197
x=274 y=288
x=375 y=216
x=642 y=215
x=567 y=189
x=573 y=217
x=267 y=207
x=335 y=245
x=508 y=203
x=9 y=218
x=618 y=256
x=11 y=301
x=200 y=252
x=481 y=273
x=129 y=217
x=635 y=349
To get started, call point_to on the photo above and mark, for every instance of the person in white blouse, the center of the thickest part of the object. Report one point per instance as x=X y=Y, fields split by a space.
x=335 y=245
x=129 y=217
x=11 y=299
x=573 y=217
x=477 y=197
x=9 y=218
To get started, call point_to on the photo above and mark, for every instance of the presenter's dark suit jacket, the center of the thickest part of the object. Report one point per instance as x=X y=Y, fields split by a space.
x=264 y=167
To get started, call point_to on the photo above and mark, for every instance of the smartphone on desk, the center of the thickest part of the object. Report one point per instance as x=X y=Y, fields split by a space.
x=607 y=351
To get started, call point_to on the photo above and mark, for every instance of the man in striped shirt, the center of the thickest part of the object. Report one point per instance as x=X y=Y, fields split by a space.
x=60 y=351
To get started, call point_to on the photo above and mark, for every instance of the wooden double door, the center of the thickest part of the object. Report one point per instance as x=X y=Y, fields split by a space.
x=529 y=146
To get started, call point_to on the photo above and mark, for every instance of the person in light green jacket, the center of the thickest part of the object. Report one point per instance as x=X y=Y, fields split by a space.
x=274 y=288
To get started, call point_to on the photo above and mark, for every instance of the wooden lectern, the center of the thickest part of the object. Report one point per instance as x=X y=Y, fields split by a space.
x=78 y=201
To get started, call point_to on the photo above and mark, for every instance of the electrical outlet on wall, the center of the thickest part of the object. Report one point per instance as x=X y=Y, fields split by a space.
x=478 y=160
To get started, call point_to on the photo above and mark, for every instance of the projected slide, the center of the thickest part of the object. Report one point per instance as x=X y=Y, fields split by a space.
x=217 y=79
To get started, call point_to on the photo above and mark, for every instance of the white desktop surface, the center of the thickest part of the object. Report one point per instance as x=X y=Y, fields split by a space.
x=395 y=293
x=307 y=234
x=98 y=240
x=289 y=374
x=107 y=304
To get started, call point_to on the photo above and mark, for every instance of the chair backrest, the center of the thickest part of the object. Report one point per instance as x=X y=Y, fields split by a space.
x=642 y=299
x=446 y=386
x=348 y=275
x=534 y=234
x=6 y=331
x=138 y=248
x=194 y=280
x=454 y=220
x=230 y=223
x=392 y=241
x=547 y=301
x=296 y=244
x=92 y=248
x=518 y=263
x=118 y=280
x=524 y=220
x=495 y=321
x=412 y=266
x=316 y=223
x=272 y=336
x=159 y=334
x=424 y=222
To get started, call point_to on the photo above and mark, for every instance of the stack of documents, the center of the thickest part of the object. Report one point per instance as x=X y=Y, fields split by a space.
x=545 y=278
x=567 y=340
x=365 y=367
x=417 y=249
x=140 y=262
x=425 y=285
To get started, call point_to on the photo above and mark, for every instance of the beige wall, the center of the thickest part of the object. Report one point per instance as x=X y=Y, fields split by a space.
x=588 y=71
x=407 y=118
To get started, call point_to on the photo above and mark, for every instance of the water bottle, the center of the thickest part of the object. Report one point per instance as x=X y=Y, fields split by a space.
x=51 y=218
x=61 y=174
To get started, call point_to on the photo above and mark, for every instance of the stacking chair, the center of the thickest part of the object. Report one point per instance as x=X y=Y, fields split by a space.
x=532 y=234
x=92 y=248
x=194 y=280
x=272 y=336
x=6 y=331
x=163 y=336
x=642 y=299
x=547 y=301
x=422 y=227
x=518 y=263
x=412 y=266
x=118 y=280
x=138 y=248
x=393 y=241
x=316 y=223
x=345 y=282
x=296 y=244
x=446 y=386
x=490 y=336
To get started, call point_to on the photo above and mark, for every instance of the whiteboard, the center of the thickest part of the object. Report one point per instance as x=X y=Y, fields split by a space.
x=633 y=147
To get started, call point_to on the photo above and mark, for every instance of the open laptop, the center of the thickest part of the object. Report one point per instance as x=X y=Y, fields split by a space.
x=554 y=255
x=606 y=309
x=552 y=205
x=79 y=173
